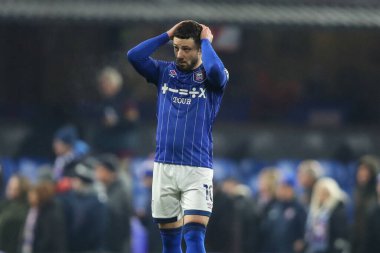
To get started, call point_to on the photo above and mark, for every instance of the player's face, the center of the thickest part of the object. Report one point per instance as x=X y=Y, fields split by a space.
x=187 y=54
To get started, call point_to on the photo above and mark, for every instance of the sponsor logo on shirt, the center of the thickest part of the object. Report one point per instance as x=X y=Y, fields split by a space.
x=194 y=93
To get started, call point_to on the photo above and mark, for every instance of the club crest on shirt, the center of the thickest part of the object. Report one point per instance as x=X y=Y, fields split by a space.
x=199 y=76
x=172 y=73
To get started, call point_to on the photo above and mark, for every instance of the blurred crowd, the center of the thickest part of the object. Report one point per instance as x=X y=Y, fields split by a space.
x=308 y=212
x=84 y=201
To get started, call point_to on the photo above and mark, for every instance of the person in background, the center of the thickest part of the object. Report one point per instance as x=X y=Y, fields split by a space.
x=85 y=214
x=13 y=212
x=119 y=115
x=264 y=200
x=154 y=240
x=364 y=198
x=119 y=205
x=219 y=233
x=44 y=229
x=373 y=224
x=68 y=149
x=327 y=223
x=267 y=185
x=286 y=219
x=308 y=172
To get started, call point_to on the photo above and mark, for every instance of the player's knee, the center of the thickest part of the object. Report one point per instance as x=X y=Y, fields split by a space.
x=194 y=234
x=194 y=231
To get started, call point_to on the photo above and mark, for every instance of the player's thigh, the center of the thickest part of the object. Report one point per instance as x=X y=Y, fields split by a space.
x=176 y=224
x=166 y=206
x=196 y=219
x=197 y=193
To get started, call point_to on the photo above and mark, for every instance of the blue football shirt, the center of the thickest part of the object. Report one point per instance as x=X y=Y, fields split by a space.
x=187 y=103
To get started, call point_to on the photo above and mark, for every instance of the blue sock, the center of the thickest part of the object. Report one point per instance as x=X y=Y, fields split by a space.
x=194 y=234
x=171 y=240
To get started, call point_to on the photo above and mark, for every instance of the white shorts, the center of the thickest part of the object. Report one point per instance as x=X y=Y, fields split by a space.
x=180 y=190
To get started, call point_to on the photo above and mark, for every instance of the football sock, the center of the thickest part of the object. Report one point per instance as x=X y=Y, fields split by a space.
x=171 y=240
x=194 y=234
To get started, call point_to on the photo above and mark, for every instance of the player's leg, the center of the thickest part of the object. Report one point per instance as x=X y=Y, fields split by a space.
x=171 y=235
x=197 y=201
x=194 y=232
x=166 y=209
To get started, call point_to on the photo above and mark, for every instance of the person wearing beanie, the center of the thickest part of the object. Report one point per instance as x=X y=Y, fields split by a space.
x=85 y=214
x=63 y=146
x=119 y=204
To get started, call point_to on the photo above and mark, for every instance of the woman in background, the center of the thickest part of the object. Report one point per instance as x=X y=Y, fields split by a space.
x=13 y=211
x=327 y=223
x=44 y=230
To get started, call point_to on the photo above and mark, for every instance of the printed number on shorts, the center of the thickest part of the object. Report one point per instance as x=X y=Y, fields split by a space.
x=208 y=189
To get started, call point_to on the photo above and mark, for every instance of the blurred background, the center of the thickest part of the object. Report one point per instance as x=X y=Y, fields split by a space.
x=304 y=85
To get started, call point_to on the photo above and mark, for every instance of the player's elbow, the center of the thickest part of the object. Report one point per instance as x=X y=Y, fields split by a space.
x=217 y=76
x=131 y=55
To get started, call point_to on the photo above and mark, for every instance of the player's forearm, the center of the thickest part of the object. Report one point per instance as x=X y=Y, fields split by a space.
x=140 y=53
x=213 y=65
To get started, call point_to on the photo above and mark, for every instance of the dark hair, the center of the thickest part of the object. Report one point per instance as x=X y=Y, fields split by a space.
x=189 y=29
x=109 y=162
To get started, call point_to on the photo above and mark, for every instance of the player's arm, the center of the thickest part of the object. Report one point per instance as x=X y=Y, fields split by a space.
x=139 y=57
x=216 y=73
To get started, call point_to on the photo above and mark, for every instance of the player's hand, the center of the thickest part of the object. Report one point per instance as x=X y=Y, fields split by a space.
x=206 y=33
x=171 y=31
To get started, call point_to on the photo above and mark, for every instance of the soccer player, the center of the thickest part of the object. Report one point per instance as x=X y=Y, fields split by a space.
x=189 y=91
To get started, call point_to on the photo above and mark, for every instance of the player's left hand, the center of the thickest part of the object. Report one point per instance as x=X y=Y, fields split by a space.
x=206 y=33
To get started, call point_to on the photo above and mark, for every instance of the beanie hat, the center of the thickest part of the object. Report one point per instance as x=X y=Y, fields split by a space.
x=67 y=134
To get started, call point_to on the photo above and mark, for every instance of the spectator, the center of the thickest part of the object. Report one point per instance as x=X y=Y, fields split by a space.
x=145 y=215
x=364 y=198
x=267 y=185
x=219 y=232
x=308 y=172
x=119 y=205
x=118 y=115
x=285 y=222
x=65 y=145
x=373 y=225
x=265 y=199
x=44 y=229
x=85 y=214
x=327 y=223
x=234 y=207
x=13 y=213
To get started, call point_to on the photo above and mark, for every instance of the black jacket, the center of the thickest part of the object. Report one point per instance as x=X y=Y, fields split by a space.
x=373 y=232
x=119 y=209
x=49 y=231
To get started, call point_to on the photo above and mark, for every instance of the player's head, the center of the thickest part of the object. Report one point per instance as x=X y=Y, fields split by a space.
x=186 y=42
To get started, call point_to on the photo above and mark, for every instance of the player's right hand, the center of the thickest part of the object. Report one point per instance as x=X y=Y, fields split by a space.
x=171 y=31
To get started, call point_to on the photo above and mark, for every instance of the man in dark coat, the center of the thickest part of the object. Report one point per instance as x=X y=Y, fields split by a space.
x=85 y=214
x=119 y=205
